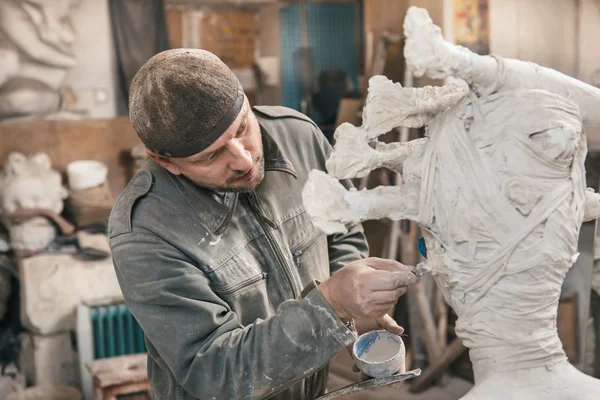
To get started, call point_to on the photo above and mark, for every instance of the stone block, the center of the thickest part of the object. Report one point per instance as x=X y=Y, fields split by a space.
x=50 y=360
x=52 y=285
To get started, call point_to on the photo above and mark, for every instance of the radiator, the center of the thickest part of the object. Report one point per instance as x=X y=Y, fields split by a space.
x=105 y=330
x=115 y=331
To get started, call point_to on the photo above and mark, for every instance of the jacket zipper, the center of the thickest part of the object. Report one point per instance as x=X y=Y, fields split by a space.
x=249 y=281
x=300 y=250
x=274 y=247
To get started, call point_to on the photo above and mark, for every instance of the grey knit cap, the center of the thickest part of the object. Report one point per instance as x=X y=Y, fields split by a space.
x=181 y=101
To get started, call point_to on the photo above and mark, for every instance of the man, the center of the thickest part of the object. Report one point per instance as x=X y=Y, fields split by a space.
x=215 y=254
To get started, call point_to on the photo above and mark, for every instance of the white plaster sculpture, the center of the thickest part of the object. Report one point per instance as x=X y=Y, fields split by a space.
x=31 y=184
x=36 y=53
x=498 y=187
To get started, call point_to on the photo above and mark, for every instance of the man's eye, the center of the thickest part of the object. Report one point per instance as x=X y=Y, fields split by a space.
x=242 y=132
x=207 y=158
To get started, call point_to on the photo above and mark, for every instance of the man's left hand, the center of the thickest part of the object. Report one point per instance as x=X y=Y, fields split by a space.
x=385 y=322
x=389 y=324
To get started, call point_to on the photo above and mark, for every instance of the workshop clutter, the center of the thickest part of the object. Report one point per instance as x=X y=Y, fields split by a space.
x=46 y=392
x=55 y=223
x=89 y=193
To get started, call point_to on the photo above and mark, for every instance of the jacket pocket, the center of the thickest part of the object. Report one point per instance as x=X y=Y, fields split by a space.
x=298 y=252
x=235 y=273
x=242 y=284
x=311 y=258
x=228 y=290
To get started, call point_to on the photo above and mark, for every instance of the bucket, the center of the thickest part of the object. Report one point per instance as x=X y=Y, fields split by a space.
x=86 y=174
x=46 y=392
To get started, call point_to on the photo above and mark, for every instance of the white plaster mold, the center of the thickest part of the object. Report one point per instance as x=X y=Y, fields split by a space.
x=48 y=305
x=498 y=188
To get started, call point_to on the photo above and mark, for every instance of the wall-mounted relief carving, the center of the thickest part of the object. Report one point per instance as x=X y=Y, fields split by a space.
x=36 y=53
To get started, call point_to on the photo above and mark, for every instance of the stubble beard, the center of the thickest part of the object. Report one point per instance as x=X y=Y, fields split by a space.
x=259 y=165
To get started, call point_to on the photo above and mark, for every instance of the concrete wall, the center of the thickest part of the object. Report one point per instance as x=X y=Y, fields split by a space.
x=94 y=79
x=589 y=34
x=268 y=45
x=542 y=31
x=559 y=34
x=589 y=56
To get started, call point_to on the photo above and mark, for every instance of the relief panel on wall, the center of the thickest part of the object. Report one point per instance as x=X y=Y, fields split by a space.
x=36 y=53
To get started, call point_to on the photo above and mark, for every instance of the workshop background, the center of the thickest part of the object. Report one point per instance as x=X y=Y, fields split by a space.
x=65 y=70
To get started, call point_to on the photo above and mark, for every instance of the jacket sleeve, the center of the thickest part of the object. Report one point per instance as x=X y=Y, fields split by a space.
x=347 y=247
x=209 y=352
x=352 y=245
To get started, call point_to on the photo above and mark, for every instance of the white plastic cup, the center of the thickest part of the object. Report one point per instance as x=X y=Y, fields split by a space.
x=379 y=353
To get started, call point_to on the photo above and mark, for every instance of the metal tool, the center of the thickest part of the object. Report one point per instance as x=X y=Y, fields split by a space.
x=371 y=384
x=419 y=270
x=70 y=245
x=24 y=214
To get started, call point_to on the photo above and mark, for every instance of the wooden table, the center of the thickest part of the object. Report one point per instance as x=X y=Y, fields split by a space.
x=118 y=376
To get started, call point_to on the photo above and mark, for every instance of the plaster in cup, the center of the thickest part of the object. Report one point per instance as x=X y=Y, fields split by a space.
x=379 y=353
x=86 y=174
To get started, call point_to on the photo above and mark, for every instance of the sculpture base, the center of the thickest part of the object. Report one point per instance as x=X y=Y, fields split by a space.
x=559 y=382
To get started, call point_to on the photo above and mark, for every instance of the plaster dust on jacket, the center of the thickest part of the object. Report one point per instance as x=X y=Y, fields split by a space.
x=498 y=187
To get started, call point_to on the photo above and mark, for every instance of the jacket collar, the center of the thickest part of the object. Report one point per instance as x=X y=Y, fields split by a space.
x=215 y=209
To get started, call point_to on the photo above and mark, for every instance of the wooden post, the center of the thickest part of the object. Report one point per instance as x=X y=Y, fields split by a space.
x=442 y=309
x=435 y=370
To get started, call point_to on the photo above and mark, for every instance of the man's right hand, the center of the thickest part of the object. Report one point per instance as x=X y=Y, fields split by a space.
x=367 y=288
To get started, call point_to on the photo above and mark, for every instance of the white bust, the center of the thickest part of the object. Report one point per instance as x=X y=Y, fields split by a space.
x=498 y=187
x=29 y=183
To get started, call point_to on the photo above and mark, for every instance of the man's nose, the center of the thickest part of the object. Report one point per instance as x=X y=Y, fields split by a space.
x=241 y=159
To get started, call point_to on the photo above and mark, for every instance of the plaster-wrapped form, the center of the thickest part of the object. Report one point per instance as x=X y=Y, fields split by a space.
x=498 y=186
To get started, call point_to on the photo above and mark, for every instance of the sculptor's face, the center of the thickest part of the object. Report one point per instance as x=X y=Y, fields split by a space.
x=234 y=163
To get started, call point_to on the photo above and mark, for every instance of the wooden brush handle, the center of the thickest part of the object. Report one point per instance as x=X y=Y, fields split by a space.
x=23 y=214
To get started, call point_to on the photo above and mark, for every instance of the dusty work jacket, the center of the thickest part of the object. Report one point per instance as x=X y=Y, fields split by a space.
x=215 y=280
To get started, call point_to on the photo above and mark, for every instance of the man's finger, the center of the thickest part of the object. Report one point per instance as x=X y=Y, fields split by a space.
x=384 y=264
x=385 y=280
x=405 y=278
x=389 y=324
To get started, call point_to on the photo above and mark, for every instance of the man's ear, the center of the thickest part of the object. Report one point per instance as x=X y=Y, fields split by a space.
x=164 y=162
